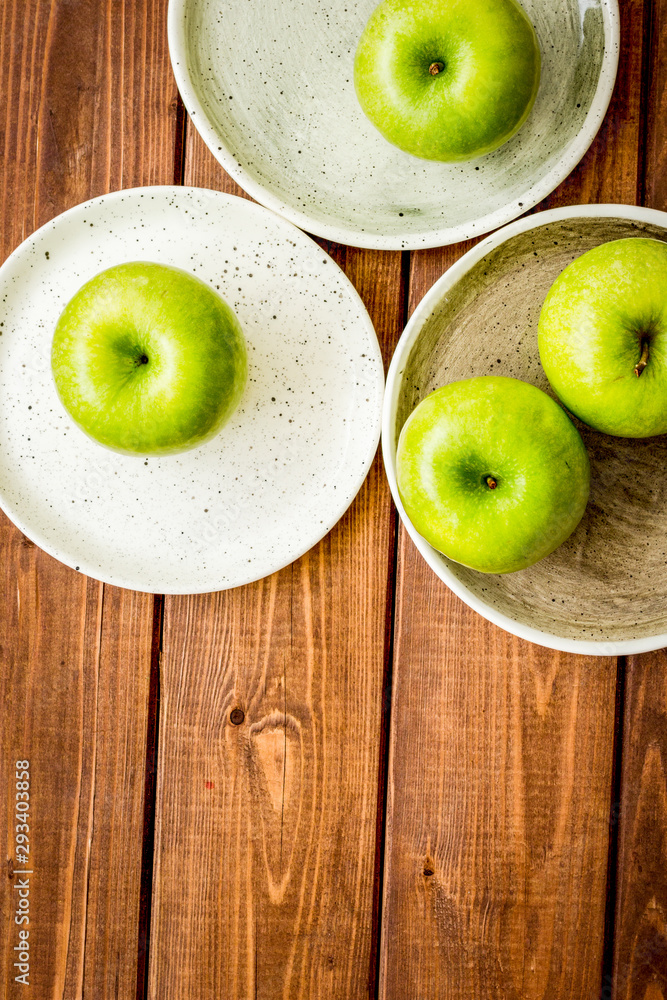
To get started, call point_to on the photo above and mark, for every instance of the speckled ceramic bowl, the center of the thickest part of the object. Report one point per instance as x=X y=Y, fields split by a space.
x=269 y=85
x=604 y=591
x=284 y=468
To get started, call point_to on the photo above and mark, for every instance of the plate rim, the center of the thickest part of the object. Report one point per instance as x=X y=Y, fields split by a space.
x=171 y=190
x=588 y=647
x=568 y=160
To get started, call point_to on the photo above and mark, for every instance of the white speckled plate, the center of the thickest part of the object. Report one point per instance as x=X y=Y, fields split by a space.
x=279 y=475
x=269 y=86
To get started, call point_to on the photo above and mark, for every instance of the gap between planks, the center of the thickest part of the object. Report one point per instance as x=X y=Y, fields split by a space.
x=153 y=721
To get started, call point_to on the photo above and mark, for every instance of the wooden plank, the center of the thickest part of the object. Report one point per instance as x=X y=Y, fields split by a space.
x=640 y=952
x=501 y=752
x=49 y=631
x=655 y=118
x=498 y=803
x=266 y=830
x=88 y=106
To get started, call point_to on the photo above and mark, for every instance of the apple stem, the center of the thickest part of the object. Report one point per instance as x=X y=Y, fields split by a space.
x=643 y=361
x=435 y=68
x=490 y=482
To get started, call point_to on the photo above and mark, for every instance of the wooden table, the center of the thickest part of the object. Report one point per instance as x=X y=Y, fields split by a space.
x=415 y=805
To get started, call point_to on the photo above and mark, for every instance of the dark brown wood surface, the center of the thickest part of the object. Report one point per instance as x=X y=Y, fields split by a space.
x=88 y=106
x=521 y=851
x=640 y=959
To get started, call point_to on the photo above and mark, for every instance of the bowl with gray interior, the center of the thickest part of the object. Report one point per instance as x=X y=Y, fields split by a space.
x=604 y=591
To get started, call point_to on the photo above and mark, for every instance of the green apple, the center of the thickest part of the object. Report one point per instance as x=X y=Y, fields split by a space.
x=148 y=359
x=492 y=472
x=447 y=79
x=603 y=337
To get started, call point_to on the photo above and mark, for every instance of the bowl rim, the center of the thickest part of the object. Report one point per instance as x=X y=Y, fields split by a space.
x=567 y=161
x=618 y=647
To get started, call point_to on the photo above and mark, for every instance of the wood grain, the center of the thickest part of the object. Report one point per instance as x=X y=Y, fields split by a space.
x=50 y=629
x=265 y=875
x=640 y=958
x=497 y=815
x=501 y=752
x=640 y=947
x=88 y=106
x=266 y=854
x=655 y=110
